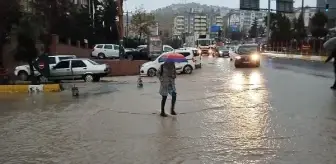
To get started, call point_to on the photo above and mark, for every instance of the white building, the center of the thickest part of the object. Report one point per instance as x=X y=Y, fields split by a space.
x=244 y=19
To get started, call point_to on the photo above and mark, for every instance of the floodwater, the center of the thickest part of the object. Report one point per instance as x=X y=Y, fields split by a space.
x=226 y=115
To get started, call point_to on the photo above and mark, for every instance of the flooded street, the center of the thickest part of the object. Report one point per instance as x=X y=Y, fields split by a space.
x=278 y=113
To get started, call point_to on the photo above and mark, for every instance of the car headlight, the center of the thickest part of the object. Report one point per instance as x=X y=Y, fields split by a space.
x=238 y=57
x=199 y=51
x=255 y=57
x=221 y=52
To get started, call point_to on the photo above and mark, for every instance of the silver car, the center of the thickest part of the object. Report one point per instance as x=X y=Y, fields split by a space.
x=80 y=68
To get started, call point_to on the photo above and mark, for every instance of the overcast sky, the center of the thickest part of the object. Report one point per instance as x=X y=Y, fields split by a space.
x=154 y=4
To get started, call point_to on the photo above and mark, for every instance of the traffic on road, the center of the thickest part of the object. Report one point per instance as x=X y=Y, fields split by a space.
x=281 y=112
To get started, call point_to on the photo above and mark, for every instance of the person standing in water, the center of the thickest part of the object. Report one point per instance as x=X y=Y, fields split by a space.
x=167 y=75
x=331 y=56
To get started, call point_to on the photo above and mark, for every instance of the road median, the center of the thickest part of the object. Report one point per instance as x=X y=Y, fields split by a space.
x=295 y=56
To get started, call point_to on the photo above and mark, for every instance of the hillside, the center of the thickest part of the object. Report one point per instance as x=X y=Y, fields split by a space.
x=165 y=15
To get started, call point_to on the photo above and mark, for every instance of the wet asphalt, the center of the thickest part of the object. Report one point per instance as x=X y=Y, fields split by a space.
x=282 y=112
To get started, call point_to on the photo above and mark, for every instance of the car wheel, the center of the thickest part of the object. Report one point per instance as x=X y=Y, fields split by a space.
x=101 y=56
x=88 y=78
x=23 y=75
x=200 y=66
x=187 y=69
x=151 y=72
x=96 y=79
x=129 y=57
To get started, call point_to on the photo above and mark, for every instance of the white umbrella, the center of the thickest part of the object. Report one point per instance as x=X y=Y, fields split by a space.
x=330 y=44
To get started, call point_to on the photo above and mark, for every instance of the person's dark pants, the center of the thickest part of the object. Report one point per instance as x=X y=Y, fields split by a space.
x=163 y=103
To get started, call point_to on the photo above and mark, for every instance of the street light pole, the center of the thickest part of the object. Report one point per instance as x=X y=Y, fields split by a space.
x=268 y=20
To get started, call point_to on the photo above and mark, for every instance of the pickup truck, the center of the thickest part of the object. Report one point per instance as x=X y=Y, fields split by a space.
x=23 y=71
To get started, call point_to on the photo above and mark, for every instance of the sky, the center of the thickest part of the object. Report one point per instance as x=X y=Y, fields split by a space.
x=131 y=5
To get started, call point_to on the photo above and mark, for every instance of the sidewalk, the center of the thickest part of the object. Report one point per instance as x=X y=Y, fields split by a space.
x=295 y=56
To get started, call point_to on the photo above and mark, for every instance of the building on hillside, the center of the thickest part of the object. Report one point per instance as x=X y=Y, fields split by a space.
x=196 y=22
x=244 y=18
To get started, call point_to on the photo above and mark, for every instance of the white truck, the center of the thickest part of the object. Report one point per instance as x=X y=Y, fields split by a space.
x=23 y=71
x=205 y=44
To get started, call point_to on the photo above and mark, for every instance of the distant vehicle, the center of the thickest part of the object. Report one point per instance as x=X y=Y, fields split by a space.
x=247 y=55
x=23 y=71
x=80 y=68
x=223 y=51
x=103 y=51
x=150 y=68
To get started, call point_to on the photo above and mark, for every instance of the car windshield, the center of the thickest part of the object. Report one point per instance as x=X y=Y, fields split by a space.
x=204 y=42
x=246 y=50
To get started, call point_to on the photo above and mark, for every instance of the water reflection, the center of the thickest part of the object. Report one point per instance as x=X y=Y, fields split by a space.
x=245 y=119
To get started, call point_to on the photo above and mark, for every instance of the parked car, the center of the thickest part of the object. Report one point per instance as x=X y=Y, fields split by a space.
x=247 y=55
x=103 y=51
x=150 y=68
x=165 y=48
x=195 y=56
x=23 y=71
x=223 y=51
x=80 y=68
x=137 y=54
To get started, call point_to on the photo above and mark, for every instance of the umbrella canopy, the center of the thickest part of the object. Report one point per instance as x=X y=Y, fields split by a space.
x=330 y=44
x=174 y=58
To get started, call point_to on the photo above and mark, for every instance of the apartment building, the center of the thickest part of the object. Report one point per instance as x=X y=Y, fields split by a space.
x=195 y=23
x=244 y=18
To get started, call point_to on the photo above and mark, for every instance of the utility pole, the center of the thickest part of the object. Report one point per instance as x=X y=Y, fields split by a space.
x=268 y=21
x=127 y=23
x=302 y=8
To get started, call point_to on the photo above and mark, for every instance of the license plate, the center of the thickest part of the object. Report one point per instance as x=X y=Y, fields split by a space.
x=245 y=62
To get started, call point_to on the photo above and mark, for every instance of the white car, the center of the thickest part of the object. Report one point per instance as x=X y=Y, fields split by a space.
x=103 y=51
x=23 y=71
x=195 y=55
x=150 y=68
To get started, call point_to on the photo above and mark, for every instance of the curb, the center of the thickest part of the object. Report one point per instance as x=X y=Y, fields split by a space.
x=30 y=88
x=293 y=56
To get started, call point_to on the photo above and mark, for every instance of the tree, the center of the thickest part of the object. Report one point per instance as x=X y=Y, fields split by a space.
x=141 y=22
x=280 y=27
x=253 y=32
x=27 y=33
x=9 y=16
x=261 y=31
x=52 y=13
x=318 y=23
x=299 y=31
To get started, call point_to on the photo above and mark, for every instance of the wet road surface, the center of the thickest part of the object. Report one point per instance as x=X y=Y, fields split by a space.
x=279 y=113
